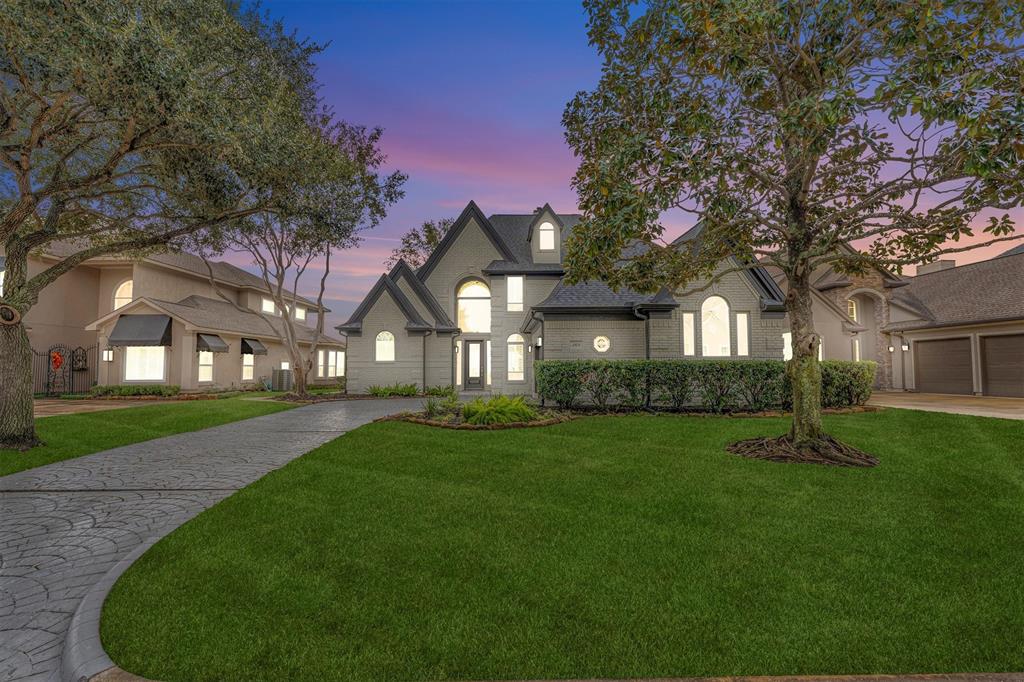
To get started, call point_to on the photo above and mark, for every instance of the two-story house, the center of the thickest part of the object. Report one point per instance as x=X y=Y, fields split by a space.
x=490 y=300
x=160 y=320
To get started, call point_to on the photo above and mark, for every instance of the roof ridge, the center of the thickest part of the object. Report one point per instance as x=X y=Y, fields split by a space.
x=967 y=265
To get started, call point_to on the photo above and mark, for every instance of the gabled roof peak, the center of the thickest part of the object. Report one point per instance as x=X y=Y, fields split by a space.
x=471 y=212
x=538 y=215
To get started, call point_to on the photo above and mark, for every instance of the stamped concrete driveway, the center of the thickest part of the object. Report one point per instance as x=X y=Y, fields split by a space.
x=64 y=525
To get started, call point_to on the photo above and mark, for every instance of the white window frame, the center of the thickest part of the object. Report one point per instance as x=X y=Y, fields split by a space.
x=742 y=334
x=2 y=274
x=340 y=362
x=851 y=309
x=546 y=237
x=285 y=365
x=704 y=348
x=459 y=298
x=145 y=380
x=119 y=295
x=321 y=364
x=388 y=355
x=689 y=334
x=602 y=340
x=514 y=293
x=300 y=313
x=205 y=362
x=248 y=367
x=268 y=307
x=513 y=342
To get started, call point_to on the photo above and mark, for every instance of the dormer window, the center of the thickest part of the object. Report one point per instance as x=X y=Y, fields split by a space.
x=268 y=306
x=546 y=235
x=300 y=313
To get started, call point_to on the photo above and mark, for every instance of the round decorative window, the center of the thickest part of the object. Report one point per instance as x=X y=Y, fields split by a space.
x=602 y=344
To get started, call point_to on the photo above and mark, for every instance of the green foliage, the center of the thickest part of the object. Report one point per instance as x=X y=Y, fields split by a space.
x=162 y=390
x=393 y=391
x=440 y=391
x=709 y=385
x=418 y=243
x=500 y=409
x=432 y=407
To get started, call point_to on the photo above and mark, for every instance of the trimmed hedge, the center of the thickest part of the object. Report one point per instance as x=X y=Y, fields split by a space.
x=707 y=385
x=135 y=389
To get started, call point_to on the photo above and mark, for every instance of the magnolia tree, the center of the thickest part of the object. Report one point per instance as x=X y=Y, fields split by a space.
x=127 y=125
x=298 y=237
x=791 y=129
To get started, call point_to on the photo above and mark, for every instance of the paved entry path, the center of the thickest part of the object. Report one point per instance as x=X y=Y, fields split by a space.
x=64 y=525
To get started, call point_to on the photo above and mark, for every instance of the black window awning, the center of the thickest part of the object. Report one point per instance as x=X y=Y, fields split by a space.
x=253 y=347
x=141 y=330
x=211 y=343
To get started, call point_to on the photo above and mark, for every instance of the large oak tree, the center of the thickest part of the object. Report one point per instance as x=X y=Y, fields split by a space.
x=128 y=125
x=790 y=129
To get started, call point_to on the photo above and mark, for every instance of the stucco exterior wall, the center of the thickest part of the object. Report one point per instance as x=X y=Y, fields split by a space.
x=63 y=309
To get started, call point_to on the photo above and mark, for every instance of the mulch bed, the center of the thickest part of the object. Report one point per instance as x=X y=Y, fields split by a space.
x=461 y=426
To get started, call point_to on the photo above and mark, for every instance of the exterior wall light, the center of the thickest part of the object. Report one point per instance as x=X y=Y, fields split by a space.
x=905 y=347
x=540 y=342
x=108 y=355
x=891 y=349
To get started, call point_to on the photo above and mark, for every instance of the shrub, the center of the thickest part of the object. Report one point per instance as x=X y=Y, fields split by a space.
x=135 y=390
x=395 y=390
x=500 y=409
x=711 y=385
x=432 y=407
x=440 y=391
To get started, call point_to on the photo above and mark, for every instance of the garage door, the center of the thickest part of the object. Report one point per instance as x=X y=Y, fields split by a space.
x=1002 y=362
x=943 y=366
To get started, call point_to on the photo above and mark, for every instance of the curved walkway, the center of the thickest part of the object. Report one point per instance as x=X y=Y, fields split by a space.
x=63 y=526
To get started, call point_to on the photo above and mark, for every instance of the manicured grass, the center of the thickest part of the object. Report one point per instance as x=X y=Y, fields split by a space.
x=604 y=547
x=74 y=435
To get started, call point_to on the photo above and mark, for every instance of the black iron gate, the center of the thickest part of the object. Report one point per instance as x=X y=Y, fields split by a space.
x=61 y=370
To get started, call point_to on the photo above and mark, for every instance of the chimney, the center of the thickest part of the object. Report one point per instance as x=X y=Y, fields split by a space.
x=935 y=266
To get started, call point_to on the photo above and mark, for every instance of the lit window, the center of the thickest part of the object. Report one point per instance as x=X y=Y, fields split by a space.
x=742 y=331
x=300 y=313
x=340 y=361
x=2 y=273
x=602 y=344
x=547 y=237
x=516 y=358
x=851 y=309
x=123 y=294
x=688 y=334
x=332 y=364
x=144 y=363
x=714 y=327
x=285 y=365
x=856 y=350
x=321 y=365
x=385 y=347
x=268 y=306
x=515 y=293
x=488 y=360
x=787 y=346
x=248 y=367
x=205 y=366
x=458 y=364
x=474 y=307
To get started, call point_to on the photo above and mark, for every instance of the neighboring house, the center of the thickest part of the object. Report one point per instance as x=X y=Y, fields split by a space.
x=946 y=330
x=490 y=300
x=159 y=320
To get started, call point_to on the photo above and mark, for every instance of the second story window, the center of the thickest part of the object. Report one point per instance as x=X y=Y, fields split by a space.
x=851 y=309
x=123 y=294
x=546 y=235
x=515 y=293
x=474 y=307
x=300 y=313
x=268 y=306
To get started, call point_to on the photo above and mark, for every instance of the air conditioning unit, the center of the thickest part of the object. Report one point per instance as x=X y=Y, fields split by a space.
x=281 y=379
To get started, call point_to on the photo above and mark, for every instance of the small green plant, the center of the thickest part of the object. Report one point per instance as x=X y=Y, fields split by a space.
x=440 y=391
x=499 y=410
x=135 y=390
x=395 y=390
x=432 y=407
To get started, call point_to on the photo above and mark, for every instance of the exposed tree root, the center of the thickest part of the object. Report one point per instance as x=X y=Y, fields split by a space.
x=20 y=444
x=826 y=450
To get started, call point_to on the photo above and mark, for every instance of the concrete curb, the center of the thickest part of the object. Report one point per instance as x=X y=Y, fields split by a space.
x=83 y=657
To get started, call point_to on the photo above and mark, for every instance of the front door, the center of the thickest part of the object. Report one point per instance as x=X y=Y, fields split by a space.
x=474 y=365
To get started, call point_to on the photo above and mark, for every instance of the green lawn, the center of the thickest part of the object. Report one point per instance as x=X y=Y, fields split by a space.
x=604 y=547
x=74 y=435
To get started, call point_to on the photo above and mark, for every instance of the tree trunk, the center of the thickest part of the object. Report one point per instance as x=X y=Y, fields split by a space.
x=17 y=424
x=803 y=369
x=300 y=385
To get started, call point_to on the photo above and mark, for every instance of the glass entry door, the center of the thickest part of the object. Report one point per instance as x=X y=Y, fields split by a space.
x=474 y=368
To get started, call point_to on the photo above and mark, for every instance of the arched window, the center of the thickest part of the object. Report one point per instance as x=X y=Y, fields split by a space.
x=546 y=235
x=714 y=327
x=474 y=307
x=385 y=347
x=516 y=358
x=123 y=294
x=851 y=309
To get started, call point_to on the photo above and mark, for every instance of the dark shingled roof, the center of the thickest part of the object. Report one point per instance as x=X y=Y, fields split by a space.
x=1015 y=251
x=514 y=230
x=988 y=291
x=598 y=295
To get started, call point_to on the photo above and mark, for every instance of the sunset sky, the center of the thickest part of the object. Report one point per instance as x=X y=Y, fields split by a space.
x=470 y=95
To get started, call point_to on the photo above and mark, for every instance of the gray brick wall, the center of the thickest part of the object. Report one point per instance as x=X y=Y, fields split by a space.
x=364 y=370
